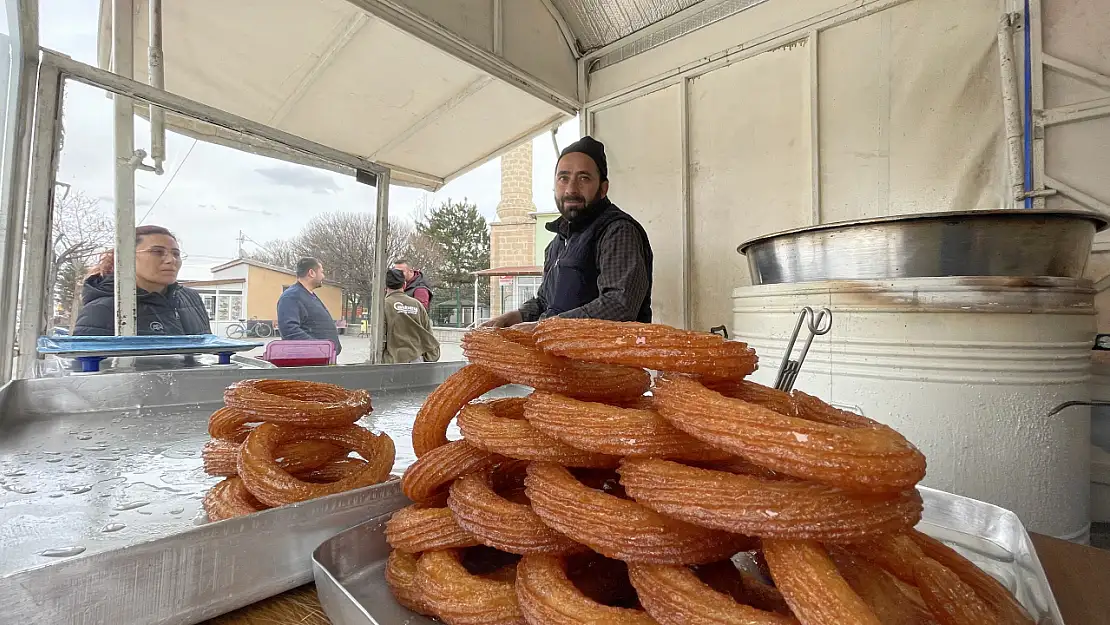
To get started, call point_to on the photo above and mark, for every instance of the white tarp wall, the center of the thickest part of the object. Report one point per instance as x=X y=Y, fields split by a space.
x=794 y=113
x=1076 y=56
x=429 y=88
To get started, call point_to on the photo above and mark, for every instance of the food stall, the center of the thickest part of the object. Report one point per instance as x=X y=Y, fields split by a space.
x=765 y=116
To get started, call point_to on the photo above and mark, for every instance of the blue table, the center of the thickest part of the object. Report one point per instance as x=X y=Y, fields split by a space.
x=90 y=351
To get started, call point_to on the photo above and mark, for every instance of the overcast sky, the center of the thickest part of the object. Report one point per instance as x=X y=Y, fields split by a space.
x=209 y=193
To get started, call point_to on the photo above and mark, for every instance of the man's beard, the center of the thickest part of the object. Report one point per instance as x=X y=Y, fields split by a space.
x=575 y=214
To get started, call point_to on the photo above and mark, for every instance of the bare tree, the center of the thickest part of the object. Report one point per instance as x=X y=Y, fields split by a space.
x=345 y=244
x=423 y=207
x=82 y=231
x=427 y=255
x=67 y=289
x=280 y=252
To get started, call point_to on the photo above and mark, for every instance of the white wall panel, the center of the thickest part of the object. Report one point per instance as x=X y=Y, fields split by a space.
x=910 y=111
x=645 y=181
x=743 y=27
x=750 y=168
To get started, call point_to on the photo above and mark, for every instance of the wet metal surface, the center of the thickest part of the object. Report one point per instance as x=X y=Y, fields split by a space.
x=79 y=478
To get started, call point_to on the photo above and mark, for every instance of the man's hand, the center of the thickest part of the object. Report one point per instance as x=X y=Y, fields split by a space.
x=503 y=321
x=527 y=328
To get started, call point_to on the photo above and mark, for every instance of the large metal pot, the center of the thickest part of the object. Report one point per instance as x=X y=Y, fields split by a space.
x=1010 y=242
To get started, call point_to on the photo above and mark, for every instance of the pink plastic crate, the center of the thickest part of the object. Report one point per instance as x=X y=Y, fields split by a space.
x=300 y=353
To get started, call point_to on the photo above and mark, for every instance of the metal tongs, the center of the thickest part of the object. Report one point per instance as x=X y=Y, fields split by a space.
x=1094 y=403
x=818 y=323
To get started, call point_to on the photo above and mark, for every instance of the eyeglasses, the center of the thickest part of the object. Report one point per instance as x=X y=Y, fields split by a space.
x=162 y=253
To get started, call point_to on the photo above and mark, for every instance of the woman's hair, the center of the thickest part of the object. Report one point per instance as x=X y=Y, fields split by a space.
x=107 y=264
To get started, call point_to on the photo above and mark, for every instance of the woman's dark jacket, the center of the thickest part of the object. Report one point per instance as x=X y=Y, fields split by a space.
x=180 y=310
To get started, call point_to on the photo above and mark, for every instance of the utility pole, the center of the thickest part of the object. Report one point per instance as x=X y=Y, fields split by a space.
x=242 y=238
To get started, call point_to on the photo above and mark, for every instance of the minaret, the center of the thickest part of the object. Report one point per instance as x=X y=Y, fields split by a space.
x=516 y=186
x=512 y=236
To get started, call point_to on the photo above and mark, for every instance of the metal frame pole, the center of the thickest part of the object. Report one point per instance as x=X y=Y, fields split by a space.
x=687 y=220
x=1011 y=103
x=377 y=309
x=157 y=73
x=14 y=209
x=109 y=81
x=813 y=81
x=123 y=50
x=36 y=292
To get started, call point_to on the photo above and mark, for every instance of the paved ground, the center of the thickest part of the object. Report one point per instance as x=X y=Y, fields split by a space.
x=357 y=350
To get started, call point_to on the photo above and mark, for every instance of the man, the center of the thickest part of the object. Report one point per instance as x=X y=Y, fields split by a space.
x=408 y=330
x=415 y=284
x=598 y=266
x=301 y=315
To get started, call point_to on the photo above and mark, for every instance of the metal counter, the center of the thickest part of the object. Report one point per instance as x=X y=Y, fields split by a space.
x=101 y=483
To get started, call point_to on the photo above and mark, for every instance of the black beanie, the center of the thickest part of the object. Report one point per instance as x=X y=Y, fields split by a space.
x=394 y=279
x=592 y=148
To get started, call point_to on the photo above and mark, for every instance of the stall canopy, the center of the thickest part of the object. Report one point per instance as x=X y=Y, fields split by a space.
x=430 y=88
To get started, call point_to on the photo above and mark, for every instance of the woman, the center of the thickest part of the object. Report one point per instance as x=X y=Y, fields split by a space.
x=164 y=306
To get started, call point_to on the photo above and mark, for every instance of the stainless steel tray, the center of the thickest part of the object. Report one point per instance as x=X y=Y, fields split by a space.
x=350 y=567
x=101 y=484
x=194 y=575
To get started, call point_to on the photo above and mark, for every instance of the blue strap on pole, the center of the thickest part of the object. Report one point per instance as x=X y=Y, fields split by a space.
x=1028 y=147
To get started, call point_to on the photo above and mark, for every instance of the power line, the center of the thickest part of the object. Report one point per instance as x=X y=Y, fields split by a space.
x=209 y=256
x=255 y=242
x=169 y=182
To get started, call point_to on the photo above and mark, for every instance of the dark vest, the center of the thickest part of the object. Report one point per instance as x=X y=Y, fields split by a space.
x=572 y=265
x=420 y=282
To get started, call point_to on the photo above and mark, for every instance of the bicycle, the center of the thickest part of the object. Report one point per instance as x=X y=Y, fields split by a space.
x=251 y=329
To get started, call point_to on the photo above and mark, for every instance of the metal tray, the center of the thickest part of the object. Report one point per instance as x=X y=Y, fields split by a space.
x=1020 y=243
x=104 y=473
x=350 y=567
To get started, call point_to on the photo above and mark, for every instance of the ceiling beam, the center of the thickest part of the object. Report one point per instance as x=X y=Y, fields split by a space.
x=1081 y=111
x=1078 y=72
x=564 y=27
x=548 y=124
x=415 y=24
x=345 y=34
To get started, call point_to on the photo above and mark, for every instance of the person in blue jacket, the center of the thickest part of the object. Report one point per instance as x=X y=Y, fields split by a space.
x=300 y=313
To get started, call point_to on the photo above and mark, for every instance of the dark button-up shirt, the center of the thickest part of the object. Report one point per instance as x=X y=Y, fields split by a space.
x=622 y=282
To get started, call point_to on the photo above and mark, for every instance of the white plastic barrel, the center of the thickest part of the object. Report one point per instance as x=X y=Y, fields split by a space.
x=966 y=368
